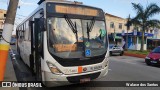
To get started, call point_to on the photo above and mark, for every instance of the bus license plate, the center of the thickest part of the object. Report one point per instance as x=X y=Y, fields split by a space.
x=85 y=80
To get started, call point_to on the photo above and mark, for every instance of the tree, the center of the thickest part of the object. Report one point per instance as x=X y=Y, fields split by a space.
x=144 y=19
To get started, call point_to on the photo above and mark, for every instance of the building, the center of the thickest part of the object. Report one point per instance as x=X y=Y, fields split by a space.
x=155 y=40
x=117 y=32
x=115 y=26
x=2 y=19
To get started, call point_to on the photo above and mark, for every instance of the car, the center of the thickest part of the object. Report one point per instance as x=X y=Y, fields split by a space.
x=115 y=50
x=153 y=58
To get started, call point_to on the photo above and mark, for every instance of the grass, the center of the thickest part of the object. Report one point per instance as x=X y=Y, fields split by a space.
x=137 y=52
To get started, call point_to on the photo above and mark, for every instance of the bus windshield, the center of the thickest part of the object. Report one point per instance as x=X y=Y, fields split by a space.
x=71 y=41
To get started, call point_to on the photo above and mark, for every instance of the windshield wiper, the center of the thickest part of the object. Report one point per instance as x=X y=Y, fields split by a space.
x=72 y=25
x=90 y=27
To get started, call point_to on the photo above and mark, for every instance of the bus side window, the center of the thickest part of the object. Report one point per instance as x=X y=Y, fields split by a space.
x=23 y=31
x=40 y=37
x=26 y=32
x=29 y=31
x=16 y=32
x=19 y=35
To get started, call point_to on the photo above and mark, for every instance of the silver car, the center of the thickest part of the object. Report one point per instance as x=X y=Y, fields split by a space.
x=116 y=50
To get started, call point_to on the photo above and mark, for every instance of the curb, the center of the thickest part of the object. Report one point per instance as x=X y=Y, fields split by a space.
x=135 y=55
x=10 y=75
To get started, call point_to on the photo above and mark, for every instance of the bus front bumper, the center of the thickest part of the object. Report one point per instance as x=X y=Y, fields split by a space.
x=52 y=80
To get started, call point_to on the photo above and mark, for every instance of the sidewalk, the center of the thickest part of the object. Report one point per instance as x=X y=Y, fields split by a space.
x=9 y=74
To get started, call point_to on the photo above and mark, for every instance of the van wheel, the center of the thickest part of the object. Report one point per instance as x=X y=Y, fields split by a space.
x=110 y=53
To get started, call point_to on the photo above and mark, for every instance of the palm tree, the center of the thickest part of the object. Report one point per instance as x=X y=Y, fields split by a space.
x=143 y=18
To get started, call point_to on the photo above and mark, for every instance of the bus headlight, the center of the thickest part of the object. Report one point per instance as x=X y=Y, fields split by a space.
x=54 y=69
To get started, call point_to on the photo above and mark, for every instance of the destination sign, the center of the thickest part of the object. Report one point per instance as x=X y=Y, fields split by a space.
x=78 y=10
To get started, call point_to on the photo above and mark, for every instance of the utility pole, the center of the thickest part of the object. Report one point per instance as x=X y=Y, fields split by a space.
x=6 y=36
x=128 y=24
x=114 y=35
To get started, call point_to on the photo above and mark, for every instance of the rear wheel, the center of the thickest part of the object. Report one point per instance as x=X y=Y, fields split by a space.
x=110 y=53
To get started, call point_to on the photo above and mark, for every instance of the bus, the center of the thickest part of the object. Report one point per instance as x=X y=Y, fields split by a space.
x=64 y=42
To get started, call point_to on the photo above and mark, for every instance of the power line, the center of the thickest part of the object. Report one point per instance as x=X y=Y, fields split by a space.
x=21 y=15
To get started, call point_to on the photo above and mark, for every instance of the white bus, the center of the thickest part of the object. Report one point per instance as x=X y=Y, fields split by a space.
x=64 y=42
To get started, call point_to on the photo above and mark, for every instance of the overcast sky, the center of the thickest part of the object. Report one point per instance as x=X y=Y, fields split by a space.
x=121 y=8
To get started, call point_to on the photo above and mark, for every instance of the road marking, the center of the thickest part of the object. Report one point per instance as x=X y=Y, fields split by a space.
x=125 y=61
x=130 y=62
x=110 y=69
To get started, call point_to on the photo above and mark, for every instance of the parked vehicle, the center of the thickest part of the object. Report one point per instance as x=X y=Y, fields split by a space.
x=115 y=50
x=153 y=57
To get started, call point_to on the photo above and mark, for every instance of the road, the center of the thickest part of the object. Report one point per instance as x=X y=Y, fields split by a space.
x=121 y=68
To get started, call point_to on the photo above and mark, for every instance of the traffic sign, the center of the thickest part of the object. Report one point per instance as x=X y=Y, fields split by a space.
x=135 y=32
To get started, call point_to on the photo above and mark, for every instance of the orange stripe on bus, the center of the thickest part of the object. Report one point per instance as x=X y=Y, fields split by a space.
x=80 y=69
x=3 y=60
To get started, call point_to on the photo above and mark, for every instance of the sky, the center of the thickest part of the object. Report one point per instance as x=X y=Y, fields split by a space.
x=121 y=8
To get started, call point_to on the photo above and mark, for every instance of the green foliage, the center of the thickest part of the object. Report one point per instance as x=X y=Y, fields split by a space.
x=144 y=15
x=138 y=52
x=143 y=18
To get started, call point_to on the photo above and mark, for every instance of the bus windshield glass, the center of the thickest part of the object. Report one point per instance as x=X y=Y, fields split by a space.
x=70 y=38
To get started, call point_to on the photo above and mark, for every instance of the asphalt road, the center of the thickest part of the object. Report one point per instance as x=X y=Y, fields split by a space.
x=121 y=68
